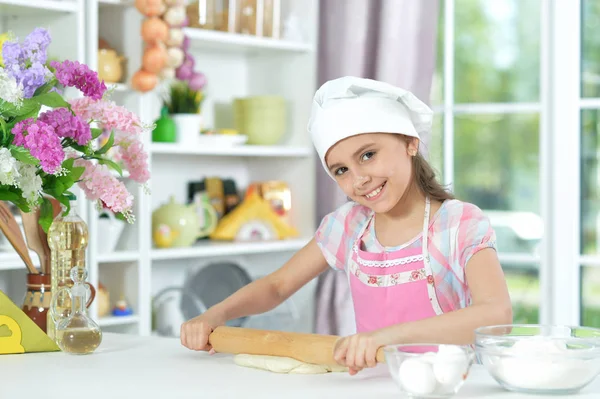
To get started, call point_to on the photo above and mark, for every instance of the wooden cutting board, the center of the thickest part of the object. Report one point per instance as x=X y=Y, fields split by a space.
x=308 y=348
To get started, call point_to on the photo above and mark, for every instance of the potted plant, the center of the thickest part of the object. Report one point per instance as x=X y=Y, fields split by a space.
x=184 y=105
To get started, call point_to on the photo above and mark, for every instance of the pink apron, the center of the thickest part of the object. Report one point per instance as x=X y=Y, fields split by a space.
x=392 y=287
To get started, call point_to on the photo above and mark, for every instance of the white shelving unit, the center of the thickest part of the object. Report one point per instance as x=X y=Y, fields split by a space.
x=235 y=66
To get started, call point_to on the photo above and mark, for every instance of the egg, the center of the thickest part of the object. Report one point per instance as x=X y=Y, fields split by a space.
x=450 y=365
x=416 y=376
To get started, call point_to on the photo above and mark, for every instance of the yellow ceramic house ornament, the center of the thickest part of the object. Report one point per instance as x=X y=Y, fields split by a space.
x=18 y=333
x=253 y=219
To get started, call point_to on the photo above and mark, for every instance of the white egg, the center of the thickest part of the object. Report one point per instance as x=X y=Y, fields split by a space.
x=416 y=377
x=450 y=365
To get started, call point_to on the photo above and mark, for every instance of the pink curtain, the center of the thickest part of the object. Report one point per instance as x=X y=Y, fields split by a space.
x=389 y=40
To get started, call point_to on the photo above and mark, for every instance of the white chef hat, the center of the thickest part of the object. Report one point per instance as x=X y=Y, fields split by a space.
x=348 y=106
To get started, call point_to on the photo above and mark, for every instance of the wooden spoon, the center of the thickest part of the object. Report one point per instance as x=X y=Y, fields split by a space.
x=10 y=228
x=32 y=235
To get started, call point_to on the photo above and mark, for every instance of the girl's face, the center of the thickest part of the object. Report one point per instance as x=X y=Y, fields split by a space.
x=373 y=169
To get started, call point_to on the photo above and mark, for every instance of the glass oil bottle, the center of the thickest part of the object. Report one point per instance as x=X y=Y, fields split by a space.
x=68 y=240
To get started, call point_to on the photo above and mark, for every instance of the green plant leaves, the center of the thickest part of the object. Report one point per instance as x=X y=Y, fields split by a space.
x=23 y=155
x=46 y=214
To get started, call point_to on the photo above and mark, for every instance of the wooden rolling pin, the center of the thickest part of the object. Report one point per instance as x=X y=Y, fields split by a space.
x=308 y=348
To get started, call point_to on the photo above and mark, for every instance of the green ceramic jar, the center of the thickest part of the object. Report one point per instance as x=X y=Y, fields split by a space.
x=165 y=130
x=177 y=220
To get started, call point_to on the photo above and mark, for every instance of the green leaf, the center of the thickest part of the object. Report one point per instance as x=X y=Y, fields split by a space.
x=59 y=187
x=63 y=199
x=68 y=163
x=6 y=195
x=67 y=182
x=23 y=155
x=46 y=214
x=76 y=172
x=96 y=132
x=52 y=100
x=28 y=109
x=111 y=164
x=46 y=87
x=106 y=146
x=5 y=130
x=15 y=196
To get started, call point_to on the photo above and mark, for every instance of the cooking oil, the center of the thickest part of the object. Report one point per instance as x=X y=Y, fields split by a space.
x=79 y=341
x=68 y=240
x=77 y=334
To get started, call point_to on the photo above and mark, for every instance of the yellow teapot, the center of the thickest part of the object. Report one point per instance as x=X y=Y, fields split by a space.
x=109 y=65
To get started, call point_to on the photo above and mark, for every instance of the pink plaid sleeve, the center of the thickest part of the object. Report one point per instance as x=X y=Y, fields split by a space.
x=338 y=231
x=475 y=233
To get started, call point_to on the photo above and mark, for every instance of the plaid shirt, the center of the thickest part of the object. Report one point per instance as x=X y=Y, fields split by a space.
x=457 y=231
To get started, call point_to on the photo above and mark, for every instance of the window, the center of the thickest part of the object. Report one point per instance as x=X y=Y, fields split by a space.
x=487 y=99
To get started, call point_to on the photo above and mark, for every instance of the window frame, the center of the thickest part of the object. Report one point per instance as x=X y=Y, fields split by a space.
x=559 y=110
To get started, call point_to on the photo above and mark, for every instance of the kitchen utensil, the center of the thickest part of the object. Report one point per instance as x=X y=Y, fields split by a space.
x=429 y=370
x=32 y=236
x=11 y=230
x=308 y=348
x=540 y=359
x=212 y=284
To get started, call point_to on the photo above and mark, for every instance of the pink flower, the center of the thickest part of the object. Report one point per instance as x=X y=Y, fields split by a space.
x=66 y=124
x=108 y=114
x=75 y=74
x=98 y=183
x=134 y=157
x=128 y=128
x=41 y=141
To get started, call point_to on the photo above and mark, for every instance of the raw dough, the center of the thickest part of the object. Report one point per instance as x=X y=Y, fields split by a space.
x=285 y=365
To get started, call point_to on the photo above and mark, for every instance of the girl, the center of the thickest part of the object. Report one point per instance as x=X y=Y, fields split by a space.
x=422 y=266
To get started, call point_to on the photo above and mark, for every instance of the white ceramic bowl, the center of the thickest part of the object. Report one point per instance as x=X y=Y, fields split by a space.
x=429 y=370
x=540 y=359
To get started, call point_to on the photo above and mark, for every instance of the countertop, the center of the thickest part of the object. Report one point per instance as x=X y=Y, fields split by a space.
x=129 y=366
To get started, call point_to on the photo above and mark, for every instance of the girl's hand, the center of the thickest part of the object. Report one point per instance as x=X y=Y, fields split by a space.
x=195 y=332
x=357 y=351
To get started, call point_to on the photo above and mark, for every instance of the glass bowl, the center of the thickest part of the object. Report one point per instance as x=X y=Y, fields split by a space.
x=429 y=370
x=539 y=359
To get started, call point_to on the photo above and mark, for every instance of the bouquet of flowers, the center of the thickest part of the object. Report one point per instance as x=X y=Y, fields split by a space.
x=47 y=142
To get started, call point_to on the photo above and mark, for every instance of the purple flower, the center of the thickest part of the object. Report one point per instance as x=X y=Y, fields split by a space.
x=197 y=81
x=74 y=74
x=41 y=141
x=36 y=45
x=13 y=55
x=186 y=70
x=25 y=62
x=65 y=124
x=32 y=78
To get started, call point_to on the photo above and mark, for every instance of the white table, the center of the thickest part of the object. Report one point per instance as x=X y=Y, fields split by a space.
x=127 y=366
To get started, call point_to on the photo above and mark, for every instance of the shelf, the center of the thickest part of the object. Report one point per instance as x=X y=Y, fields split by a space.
x=119 y=3
x=106 y=321
x=239 y=150
x=118 y=87
x=10 y=260
x=119 y=256
x=208 y=249
x=36 y=7
x=234 y=42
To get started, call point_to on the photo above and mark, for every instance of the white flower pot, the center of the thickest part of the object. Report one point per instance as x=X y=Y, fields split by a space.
x=109 y=229
x=188 y=128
